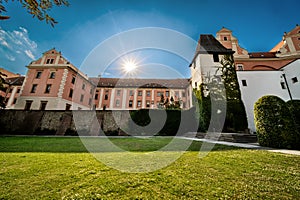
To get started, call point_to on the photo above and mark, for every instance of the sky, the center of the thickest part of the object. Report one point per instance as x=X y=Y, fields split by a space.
x=141 y=31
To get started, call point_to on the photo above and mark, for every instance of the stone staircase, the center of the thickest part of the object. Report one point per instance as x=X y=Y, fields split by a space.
x=229 y=137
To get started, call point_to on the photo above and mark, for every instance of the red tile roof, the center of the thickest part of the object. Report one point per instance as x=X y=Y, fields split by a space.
x=141 y=83
x=262 y=55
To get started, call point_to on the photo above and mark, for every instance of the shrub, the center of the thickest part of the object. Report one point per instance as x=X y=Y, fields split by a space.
x=171 y=126
x=236 y=120
x=274 y=124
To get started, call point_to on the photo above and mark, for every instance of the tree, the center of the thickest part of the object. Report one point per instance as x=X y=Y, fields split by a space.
x=236 y=119
x=36 y=8
x=2 y=87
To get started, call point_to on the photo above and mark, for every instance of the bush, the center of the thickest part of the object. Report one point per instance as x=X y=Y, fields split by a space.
x=236 y=120
x=294 y=107
x=274 y=124
x=170 y=128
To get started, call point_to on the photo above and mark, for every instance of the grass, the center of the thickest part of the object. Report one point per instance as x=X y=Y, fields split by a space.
x=60 y=168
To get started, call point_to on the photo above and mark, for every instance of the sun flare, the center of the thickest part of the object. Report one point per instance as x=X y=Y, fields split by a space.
x=129 y=65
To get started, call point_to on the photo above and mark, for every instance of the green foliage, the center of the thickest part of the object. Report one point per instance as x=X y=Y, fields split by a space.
x=294 y=107
x=203 y=110
x=2 y=88
x=39 y=9
x=274 y=123
x=171 y=127
x=236 y=119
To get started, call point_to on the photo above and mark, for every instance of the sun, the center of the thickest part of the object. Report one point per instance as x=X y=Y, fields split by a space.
x=129 y=65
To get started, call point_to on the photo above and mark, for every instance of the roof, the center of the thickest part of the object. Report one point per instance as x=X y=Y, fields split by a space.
x=262 y=55
x=141 y=83
x=209 y=44
x=15 y=80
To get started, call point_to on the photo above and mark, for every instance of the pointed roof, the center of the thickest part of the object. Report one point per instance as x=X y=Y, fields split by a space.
x=223 y=29
x=209 y=44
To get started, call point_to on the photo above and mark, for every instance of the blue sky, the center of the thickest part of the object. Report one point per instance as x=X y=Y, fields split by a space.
x=259 y=25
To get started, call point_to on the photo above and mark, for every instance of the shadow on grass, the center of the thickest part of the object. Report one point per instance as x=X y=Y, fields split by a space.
x=98 y=144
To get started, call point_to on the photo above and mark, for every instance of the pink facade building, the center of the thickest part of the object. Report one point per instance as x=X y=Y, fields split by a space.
x=284 y=53
x=53 y=83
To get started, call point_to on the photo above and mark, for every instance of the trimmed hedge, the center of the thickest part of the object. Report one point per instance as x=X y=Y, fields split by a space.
x=274 y=123
x=175 y=119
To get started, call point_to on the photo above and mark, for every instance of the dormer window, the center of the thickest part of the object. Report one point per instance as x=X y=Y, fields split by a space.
x=50 y=61
x=225 y=38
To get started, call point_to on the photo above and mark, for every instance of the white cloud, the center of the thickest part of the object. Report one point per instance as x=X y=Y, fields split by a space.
x=10 y=57
x=16 y=48
x=29 y=54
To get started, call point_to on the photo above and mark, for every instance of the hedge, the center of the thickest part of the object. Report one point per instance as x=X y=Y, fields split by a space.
x=274 y=123
x=175 y=119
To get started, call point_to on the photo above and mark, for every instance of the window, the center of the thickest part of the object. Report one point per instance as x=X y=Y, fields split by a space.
x=96 y=96
x=50 y=61
x=147 y=104
x=183 y=94
x=33 y=89
x=167 y=93
x=43 y=105
x=216 y=57
x=196 y=85
x=240 y=67
x=68 y=106
x=283 y=85
x=18 y=90
x=106 y=97
x=48 y=88
x=73 y=79
x=159 y=94
x=294 y=80
x=38 y=74
x=81 y=98
x=117 y=103
x=83 y=86
x=140 y=93
x=90 y=101
x=15 y=101
x=148 y=93
x=52 y=75
x=225 y=38
x=244 y=82
x=118 y=92
x=131 y=93
x=28 y=105
x=176 y=94
x=139 y=103
x=130 y=104
x=71 y=93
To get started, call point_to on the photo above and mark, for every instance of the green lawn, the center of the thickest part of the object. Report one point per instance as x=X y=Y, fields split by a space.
x=60 y=168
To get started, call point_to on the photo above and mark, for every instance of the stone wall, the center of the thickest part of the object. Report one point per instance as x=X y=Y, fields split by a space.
x=36 y=122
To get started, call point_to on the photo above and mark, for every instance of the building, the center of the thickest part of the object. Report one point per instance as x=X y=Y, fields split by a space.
x=132 y=94
x=53 y=83
x=11 y=87
x=206 y=61
x=276 y=72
